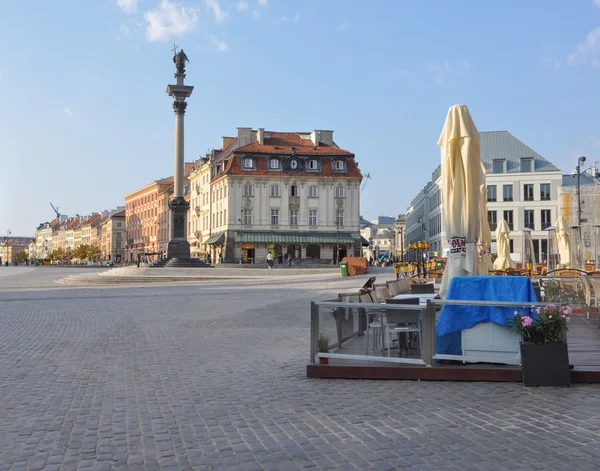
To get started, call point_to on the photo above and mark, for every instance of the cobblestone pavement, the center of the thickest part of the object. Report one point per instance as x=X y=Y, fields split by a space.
x=213 y=377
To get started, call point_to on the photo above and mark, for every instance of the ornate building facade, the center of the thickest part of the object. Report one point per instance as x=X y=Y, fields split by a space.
x=278 y=192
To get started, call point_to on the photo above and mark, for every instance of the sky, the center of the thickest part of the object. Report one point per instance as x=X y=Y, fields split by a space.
x=85 y=118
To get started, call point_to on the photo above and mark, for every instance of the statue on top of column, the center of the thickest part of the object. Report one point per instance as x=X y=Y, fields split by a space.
x=180 y=60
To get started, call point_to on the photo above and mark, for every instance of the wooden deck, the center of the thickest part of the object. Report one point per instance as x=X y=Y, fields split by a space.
x=584 y=355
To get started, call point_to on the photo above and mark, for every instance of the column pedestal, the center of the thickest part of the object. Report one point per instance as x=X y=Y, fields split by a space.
x=178 y=246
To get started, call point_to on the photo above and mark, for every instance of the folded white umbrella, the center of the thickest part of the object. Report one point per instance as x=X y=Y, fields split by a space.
x=503 y=261
x=462 y=179
x=563 y=242
x=484 y=239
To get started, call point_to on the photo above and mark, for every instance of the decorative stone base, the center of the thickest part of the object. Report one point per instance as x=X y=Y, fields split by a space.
x=178 y=249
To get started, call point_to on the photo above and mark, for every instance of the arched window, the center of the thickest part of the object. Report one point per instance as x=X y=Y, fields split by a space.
x=313 y=251
x=248 y=162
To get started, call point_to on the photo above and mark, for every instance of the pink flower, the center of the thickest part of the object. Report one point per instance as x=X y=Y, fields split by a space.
x=538 y=310
x=516 y=313
x=551 y=306
x=567 y=318
x=526 y=321
x=568 y=309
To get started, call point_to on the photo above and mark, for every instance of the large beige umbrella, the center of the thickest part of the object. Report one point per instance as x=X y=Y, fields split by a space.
x=462 y=178
x=503 y=246
x=563 y=242
x=484 y=239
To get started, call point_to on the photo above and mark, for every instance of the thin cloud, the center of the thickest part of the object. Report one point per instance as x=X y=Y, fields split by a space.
x=343 y=26
x=1 y=76
x=587 y=49
x=263 y=3
x=242 y=5
x=169 y=20
x=597 y=3
x=68 y=112
x=214 y=7
x=221 y=45
x=255 y=14
x=128 y=6
x=125 y=33
x=296 y=17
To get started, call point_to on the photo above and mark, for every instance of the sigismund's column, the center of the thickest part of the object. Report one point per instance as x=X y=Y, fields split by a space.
x=179 y=247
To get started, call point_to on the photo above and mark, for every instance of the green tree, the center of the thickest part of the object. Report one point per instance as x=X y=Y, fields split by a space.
x=59 y=254
x=93 y=250
x=81 y=252
x=22 y=257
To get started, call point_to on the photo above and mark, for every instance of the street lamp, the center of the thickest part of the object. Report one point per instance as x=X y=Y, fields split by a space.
x=580 y=160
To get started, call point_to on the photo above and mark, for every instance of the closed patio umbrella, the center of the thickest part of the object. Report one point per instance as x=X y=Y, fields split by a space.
x=503 y=261
x=563 y=242
x=484 y=239
x=462 y=178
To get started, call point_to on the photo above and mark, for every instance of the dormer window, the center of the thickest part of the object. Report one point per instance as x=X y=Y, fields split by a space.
x=526 y=165
x=274 y=164
x=498 y=166
x=339 y=165
x=313 y=165
x=248 y=162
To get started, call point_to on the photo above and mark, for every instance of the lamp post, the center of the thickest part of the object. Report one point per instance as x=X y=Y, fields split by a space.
x=580 y=160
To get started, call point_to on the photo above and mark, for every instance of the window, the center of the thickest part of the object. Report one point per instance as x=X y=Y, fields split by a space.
x=339 y=218
x=529 y=219
x=118 y=233
x=507 y=193
x=313 y=251
x=545 y=192
x=492 y=219
x=225 y=217
x=339 y=165
x=293 y=217
x=118 y=224
x=248 y=162
x=546 y=218
x=247 y=217
x=313 y=165
x=274 y=190
x=508 y=217
x=274 y=164
x=526 y=165
x=528 y=192
x=293 y=190
x=248 y=189
x=491 y=193
x=312 y=217
x=118 y=244
x=498 y=166
x=312 y=192
x=275 y=217
x=339 y=191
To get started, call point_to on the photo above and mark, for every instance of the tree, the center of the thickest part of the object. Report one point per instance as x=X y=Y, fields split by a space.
x=22 y=257
x=59 y=254
x=92 y=251
x=81 y=252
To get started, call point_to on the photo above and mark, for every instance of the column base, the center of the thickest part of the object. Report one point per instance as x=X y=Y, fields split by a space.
x=178 y=249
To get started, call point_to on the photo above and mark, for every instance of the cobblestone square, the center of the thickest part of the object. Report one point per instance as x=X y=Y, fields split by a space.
x=212 y=377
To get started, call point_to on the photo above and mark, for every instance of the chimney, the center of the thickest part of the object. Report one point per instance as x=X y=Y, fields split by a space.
x=244 y=136
x=315 y=137
x=260 y=136
x=225 y=141
x=326 y=137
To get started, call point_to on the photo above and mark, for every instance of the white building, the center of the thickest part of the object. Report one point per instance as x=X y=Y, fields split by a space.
x=522 y=188
x=279 y=192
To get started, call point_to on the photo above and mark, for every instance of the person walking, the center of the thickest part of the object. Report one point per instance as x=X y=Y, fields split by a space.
x=289 y=260
x=270 y=260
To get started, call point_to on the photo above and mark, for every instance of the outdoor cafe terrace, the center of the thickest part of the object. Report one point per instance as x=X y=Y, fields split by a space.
x=377 y=335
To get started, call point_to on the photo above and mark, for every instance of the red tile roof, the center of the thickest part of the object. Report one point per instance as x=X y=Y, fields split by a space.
x=282 y=143
x=120 y=214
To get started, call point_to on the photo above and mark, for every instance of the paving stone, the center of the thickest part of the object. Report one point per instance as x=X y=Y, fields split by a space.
x=213 y=377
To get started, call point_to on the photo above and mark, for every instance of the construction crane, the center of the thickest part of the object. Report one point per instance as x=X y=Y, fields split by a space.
x=366 y=178
x=55 y=210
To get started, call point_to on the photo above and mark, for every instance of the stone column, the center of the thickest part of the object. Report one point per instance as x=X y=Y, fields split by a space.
x=178 y=246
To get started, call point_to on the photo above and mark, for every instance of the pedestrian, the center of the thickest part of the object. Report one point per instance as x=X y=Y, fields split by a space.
x=289 y=260
x=270 y=260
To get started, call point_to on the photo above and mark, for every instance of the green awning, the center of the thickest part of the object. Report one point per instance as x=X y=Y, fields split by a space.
x=218 y=238
x=282 y=238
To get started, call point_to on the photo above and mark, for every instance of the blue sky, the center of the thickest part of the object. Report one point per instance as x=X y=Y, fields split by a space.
x=85 y=119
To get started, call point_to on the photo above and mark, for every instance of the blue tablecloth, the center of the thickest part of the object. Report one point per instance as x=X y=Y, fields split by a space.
x=453 y=319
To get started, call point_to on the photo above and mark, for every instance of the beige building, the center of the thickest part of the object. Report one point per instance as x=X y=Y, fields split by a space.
x=279 y=192
x=113 y=237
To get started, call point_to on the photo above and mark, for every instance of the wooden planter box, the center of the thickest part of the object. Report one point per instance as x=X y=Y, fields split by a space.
x=545 y=364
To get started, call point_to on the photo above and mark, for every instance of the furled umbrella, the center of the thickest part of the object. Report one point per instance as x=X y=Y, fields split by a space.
x=563 y=242
x=484 y=239
x=461 y=192
x=503 y=261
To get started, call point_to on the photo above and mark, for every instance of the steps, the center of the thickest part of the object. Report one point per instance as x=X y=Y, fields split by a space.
x=179 y=263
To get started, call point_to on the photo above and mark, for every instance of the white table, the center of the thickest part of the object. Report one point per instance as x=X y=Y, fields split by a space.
x=423 y=298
